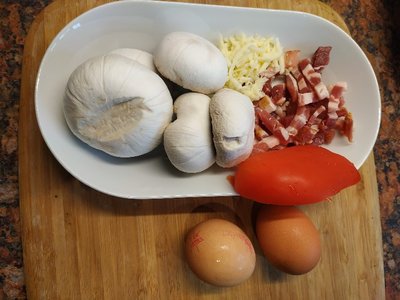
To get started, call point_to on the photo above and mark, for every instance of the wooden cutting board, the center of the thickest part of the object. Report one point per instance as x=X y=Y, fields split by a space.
x=81 y=244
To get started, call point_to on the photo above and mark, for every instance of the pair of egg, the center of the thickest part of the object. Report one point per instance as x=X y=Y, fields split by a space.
x=220 y=253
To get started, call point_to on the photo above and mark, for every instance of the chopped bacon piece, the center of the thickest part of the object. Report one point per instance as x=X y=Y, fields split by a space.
x=278 y=94
x=329 y=135
x=320 y=58
x=303 y=64
x=314 y=78
x=301 y=82
x=337 y=90
x=324 y=136
x=266 y=103
x=292 y=87
x=336 y=100
x=286 y=120
x=314 y=117
x=339 y=124
x=259 y=148
x=300 y=119
x=330 y=122
x=342 y=112
x=319 y=138
x=291 y=59
x=333 y=105
x=345 y=127
x=280 y=111
x=267 y=87
x=306 y=134
x=321 y=90
x=259 y=132
x=306 y=98
x=270 y=141
x=291 y=108
x=273 y=125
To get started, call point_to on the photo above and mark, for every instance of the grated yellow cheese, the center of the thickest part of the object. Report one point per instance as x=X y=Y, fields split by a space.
x=248 y=57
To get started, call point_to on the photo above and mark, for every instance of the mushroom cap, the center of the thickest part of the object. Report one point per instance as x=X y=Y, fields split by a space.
x=140 y=56
x=188 y=140
x=191 y=62
x=232 y=117
x=117 y=105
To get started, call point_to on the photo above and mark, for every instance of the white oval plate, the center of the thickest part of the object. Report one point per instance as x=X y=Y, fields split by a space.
x=141 y=25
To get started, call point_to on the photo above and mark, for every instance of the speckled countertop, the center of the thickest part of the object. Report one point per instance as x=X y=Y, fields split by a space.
x=374 y=24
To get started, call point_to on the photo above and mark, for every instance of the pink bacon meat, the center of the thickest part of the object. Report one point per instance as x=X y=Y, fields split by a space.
x=320 y=58
x=299 y=108
x=299 y=120
x=314 y=78
x=273 y=125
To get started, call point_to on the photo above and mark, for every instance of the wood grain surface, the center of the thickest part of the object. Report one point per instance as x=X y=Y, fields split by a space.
x=81 y=244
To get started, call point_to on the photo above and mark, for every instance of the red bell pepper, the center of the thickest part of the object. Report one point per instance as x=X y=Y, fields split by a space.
x=294 y=176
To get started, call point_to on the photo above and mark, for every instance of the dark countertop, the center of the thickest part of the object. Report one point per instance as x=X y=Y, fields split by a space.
x=374 y=24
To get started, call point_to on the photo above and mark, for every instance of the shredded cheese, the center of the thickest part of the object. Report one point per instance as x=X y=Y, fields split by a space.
x=249 y=59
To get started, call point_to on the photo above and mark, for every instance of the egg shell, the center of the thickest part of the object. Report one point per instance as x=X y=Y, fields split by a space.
x=220 y=253
x=288 y=238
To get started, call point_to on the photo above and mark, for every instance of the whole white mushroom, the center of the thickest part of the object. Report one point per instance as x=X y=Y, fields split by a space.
x=232 y=117
x=117 y=105
x=188 y=140
x=192 y=62
x=143 y=57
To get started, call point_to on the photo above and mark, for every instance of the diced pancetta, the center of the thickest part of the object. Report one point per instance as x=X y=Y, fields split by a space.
x=292 y=87
x=329 y=135
x=298 y=107
x=301 y=81
x=342 y=112
x=320 y=58
x=332 y=115
x=345 y=127
x=337 y=90
x=314 y=78
x=306 y=134
x=324 y=136
x=278 y=94
x=273 y=125
x=259 y=132
x=303 y=64
x=321 y=90
x=314 y=117
x=270 y=141
x=306 y=98
x=280 y=111
x=291 y=59
x=267 y=87
x=300 y=119
x=330 y=122
x=266 y=103
x=333 y=105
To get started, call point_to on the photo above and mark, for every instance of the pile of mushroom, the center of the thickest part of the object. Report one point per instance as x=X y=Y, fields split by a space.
x=120 y=104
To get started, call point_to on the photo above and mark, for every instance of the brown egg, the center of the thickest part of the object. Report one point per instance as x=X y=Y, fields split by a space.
x=220 y=253
x=288 y=239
